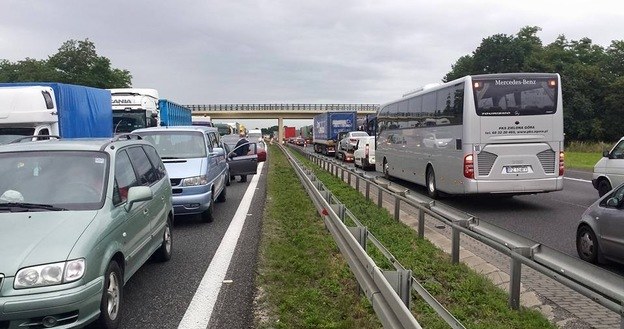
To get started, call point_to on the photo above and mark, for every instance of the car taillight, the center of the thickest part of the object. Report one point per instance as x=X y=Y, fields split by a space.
x=366 y=151
x=469 y=166
x=561 y=163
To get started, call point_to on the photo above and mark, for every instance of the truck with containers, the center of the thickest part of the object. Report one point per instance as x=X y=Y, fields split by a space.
x=172 y=114
x=326 y=128
x=53 y=109
x=289 y=133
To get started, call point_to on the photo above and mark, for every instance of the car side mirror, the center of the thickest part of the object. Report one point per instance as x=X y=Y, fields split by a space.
x=605 y=154
x=138 y=194
x=217 y=151
x=613 y=202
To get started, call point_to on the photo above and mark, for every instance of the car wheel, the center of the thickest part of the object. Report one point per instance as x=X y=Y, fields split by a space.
x=587 y=244
x=222 y=195
x=110 y=305
x=603 y=187
x=208 y=216
x=432 y=190
x=163 y=253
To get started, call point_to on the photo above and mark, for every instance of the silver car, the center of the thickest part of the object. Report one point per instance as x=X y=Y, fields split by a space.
x=599 y=233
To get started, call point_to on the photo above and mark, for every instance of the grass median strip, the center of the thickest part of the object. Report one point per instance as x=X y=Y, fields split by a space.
x=471 y=298
x=303 y=280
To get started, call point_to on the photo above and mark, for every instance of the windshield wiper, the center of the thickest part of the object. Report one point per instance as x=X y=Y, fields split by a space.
x=23 y=206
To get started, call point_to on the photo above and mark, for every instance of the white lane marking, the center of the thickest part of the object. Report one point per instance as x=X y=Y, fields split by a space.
x=200 y=309
x=578 y=179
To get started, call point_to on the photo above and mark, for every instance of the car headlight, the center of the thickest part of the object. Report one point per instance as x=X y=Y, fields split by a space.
x=195 y=181
x=50 y=274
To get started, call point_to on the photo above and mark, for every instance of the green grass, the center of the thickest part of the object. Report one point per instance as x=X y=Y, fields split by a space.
x=581 y=160
x=303 y=279
x=470 y=297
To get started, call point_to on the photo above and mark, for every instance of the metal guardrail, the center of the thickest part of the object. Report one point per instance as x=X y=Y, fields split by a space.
x=601 y=286
x=372 y=108
x=388 y=291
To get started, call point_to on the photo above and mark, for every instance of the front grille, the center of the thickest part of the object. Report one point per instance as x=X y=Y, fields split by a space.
x=485 y=161
x=175 y=181
x=547 y=159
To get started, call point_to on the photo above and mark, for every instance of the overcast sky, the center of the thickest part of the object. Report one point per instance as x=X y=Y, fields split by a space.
x=285 y=51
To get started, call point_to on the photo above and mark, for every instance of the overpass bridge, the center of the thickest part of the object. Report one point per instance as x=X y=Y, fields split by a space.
x=277 y=111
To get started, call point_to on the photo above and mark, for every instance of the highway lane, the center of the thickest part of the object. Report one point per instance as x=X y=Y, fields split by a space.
x=158 y=295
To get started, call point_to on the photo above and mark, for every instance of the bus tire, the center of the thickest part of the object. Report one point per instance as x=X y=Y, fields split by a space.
x=432 y=189
x=386 y=170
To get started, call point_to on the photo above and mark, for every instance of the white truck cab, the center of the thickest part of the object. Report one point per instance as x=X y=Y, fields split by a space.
x=134 y=108
x=27 y=111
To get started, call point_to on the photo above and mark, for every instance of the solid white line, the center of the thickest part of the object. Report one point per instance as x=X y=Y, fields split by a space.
x=200 y=309
x=578 y=179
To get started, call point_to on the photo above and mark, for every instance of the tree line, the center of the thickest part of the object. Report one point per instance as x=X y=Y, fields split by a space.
x=592 y=77
x=76 y=62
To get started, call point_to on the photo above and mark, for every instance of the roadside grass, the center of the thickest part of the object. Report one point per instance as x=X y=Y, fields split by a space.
x=474 y=300
x=303 y=281
x=581 y=160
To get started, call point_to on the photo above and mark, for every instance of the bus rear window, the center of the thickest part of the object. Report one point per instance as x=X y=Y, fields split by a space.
x=517 y=96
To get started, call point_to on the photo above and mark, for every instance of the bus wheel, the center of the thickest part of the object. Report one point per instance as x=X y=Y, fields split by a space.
x=432 y=190
x=386 y=171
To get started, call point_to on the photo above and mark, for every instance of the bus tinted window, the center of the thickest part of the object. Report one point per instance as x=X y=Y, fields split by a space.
x=501 y=97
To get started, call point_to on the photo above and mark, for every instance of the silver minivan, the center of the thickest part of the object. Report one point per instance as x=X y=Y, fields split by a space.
x=609 y=170
x=196 y=163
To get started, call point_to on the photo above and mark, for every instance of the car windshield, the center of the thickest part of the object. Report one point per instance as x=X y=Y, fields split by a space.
x=40 y=180
x=177 y=144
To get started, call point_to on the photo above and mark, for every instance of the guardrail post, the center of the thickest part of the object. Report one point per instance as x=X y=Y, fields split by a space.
x=455 y=245
x=421 y=223
x=357 y=183
x=379 y=196
x=397 y=208
x=360 y=233
x=341 y=174
x=349 y=178
x=401 y=282
x=367 y=190
x=515 y=274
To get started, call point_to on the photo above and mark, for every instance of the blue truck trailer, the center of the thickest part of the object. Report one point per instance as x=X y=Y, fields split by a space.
x=45 y=108
x=326 y=128
x=172 y=114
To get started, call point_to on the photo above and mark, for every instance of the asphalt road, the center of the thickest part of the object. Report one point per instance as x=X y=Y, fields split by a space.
x=158 y=295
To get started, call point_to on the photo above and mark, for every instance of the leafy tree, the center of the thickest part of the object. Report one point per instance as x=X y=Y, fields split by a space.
x=76 y=62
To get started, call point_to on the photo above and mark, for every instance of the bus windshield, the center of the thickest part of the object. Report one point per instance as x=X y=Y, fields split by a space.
x=515 y=96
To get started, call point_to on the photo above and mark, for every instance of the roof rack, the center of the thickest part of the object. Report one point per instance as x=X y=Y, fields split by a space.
x=38 y=138
x=127 y=137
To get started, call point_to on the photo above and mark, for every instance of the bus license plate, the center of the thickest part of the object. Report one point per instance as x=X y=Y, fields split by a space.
x=517 y=169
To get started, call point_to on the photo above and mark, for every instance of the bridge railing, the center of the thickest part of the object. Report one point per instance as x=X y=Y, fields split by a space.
x=284 y=107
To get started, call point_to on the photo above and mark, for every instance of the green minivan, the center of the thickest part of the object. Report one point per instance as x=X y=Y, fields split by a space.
x=77 y=219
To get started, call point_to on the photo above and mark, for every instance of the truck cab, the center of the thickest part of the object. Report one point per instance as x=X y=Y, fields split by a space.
x=27 y=111
x=134 y=108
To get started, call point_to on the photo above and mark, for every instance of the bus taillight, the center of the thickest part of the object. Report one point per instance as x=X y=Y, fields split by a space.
x=552 y=83
x=469 y=166
x=561 y=163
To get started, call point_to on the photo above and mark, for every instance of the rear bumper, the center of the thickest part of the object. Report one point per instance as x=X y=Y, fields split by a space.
x=515 y=186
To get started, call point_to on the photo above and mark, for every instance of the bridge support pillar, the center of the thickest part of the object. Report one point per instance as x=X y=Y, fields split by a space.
x=280 y=130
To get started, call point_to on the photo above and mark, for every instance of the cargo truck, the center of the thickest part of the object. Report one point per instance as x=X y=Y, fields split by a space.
x=57 y=109
x=289 y=133
x=134 y=108
x=326 y=128
x=172 y=114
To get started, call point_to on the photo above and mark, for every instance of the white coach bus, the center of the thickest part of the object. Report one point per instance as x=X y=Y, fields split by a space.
x=480 y=134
